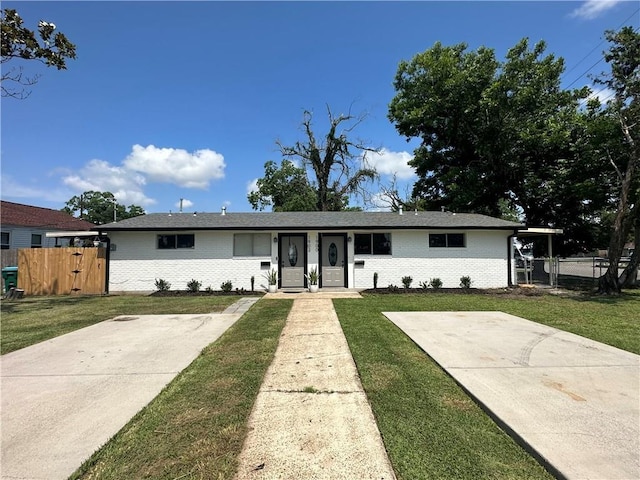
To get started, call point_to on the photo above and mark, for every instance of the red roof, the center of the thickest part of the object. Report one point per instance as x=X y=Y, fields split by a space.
x=20 y=215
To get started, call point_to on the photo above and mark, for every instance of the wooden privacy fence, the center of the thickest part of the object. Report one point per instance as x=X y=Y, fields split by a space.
x=62 y=271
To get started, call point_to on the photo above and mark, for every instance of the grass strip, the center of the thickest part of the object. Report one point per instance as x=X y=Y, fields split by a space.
x=196 y=426
x=430 y=427
x=35 y=319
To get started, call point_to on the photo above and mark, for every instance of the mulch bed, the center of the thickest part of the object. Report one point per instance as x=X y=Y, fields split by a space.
x=205 y=293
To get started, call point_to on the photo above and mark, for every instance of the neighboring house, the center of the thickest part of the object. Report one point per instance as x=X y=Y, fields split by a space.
x=347 y=247
x=25 y=226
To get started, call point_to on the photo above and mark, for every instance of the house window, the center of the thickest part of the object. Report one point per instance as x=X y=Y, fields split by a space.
x=4 y=244
x=176 y=241
x=36 y=240
x=251 y=245
x=372 y=244
x=437 y=240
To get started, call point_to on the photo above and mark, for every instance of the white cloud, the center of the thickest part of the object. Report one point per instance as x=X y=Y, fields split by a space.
x=601 y=93
x=391 y=163
x=252 y=186
x=98 y=175
x=593 y=8
x=185 y=203
x=11 y=189
x=175 y=165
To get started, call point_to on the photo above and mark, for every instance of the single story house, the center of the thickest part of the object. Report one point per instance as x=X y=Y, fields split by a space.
x=347 y=248
x=25 y=226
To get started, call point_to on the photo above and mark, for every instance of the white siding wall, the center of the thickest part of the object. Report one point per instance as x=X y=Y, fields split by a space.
x=136 y=263
x=484 y=259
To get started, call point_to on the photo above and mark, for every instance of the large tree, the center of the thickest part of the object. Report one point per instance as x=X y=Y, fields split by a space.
x=336 y=163
x=494 y=135
x=20 y=44
x=285 y=189
x=624 y=106
x=100 y=208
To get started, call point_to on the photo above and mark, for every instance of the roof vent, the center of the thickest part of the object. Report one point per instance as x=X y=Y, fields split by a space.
x=169 y=212
x=400 y=210
x=224 y=211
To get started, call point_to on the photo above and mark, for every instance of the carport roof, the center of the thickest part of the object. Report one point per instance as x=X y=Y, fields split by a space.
x=310 y=221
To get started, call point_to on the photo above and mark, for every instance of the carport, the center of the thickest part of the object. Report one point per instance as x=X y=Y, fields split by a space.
x=542 y=232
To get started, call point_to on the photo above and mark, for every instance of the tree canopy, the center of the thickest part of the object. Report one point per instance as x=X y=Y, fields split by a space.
x=100 y=208
x=20 y=43
x=336 y=163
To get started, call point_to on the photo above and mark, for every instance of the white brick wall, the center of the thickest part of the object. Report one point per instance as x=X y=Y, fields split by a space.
x=484 y=259
x=137 y=263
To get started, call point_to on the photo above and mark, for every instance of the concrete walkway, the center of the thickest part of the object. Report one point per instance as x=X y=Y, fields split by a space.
x=311 y=419
x=573 y=402
x=62 y=399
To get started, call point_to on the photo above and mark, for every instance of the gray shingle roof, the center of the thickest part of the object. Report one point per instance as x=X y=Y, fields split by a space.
x=310 y=221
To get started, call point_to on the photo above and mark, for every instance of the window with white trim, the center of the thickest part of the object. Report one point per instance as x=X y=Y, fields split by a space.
x=444 y=240
x=171 y=241
x=372 y=244
x=251 y=245
x=36 y=240
x=5 y=243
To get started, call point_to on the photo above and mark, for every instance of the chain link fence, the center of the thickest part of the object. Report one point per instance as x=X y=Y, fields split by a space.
x=577 y=272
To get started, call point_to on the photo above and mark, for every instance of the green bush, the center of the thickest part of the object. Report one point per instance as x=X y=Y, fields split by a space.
x=162 y=285
x=465 y=282
x=407 y=281
x=226 y=286
x=435 y=283
x=194 y=285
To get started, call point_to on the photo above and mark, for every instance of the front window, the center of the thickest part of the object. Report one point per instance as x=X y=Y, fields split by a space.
x=372 y=244
x=36 y=240
x=176 y=241
x=440 y=240
x=251 y=245
x=4 y=244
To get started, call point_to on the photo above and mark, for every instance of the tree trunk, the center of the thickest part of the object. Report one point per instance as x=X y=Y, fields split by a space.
x=628 y=277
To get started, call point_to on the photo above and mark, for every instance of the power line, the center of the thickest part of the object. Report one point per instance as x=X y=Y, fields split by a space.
x=592 y=50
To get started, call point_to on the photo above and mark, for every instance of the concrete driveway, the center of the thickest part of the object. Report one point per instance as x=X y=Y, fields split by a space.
x=64 y=398
x=573 y=402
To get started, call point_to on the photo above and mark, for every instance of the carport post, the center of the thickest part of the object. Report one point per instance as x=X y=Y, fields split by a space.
x=550 y=247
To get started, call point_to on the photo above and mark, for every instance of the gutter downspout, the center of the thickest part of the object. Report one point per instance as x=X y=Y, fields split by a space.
x=108 y=262
x=509 y=259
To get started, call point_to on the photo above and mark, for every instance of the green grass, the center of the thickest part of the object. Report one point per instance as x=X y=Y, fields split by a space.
x=34 y=319
x=196 y=427
x=430 y=427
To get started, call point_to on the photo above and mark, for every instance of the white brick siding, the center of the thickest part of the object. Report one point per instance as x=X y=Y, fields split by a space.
x=484 y=259
x=136 y=262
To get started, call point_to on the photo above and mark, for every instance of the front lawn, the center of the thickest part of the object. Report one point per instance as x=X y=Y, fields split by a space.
x=430 y=427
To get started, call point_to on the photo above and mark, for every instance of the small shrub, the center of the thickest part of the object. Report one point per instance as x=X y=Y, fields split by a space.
x=209 y=289
x=393 y=288
x=375 y=280
x=435 y=283
x=162 y=285
x=226 y=286
x=424 y=285
x=407 y=281
x=194 y=285
x=465 y=282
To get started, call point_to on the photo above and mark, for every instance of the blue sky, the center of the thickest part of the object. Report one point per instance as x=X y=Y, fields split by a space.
x=171 y=100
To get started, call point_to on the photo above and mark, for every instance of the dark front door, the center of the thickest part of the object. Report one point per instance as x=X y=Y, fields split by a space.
x=293 y=258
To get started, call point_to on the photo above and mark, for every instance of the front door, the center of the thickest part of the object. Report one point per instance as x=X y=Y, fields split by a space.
x=333 y=261
x=292 y=260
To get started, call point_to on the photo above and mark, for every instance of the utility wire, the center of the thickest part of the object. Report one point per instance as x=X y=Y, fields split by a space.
x=592 y=50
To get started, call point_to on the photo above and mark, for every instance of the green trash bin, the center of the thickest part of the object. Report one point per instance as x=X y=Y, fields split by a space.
x=10 y=277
